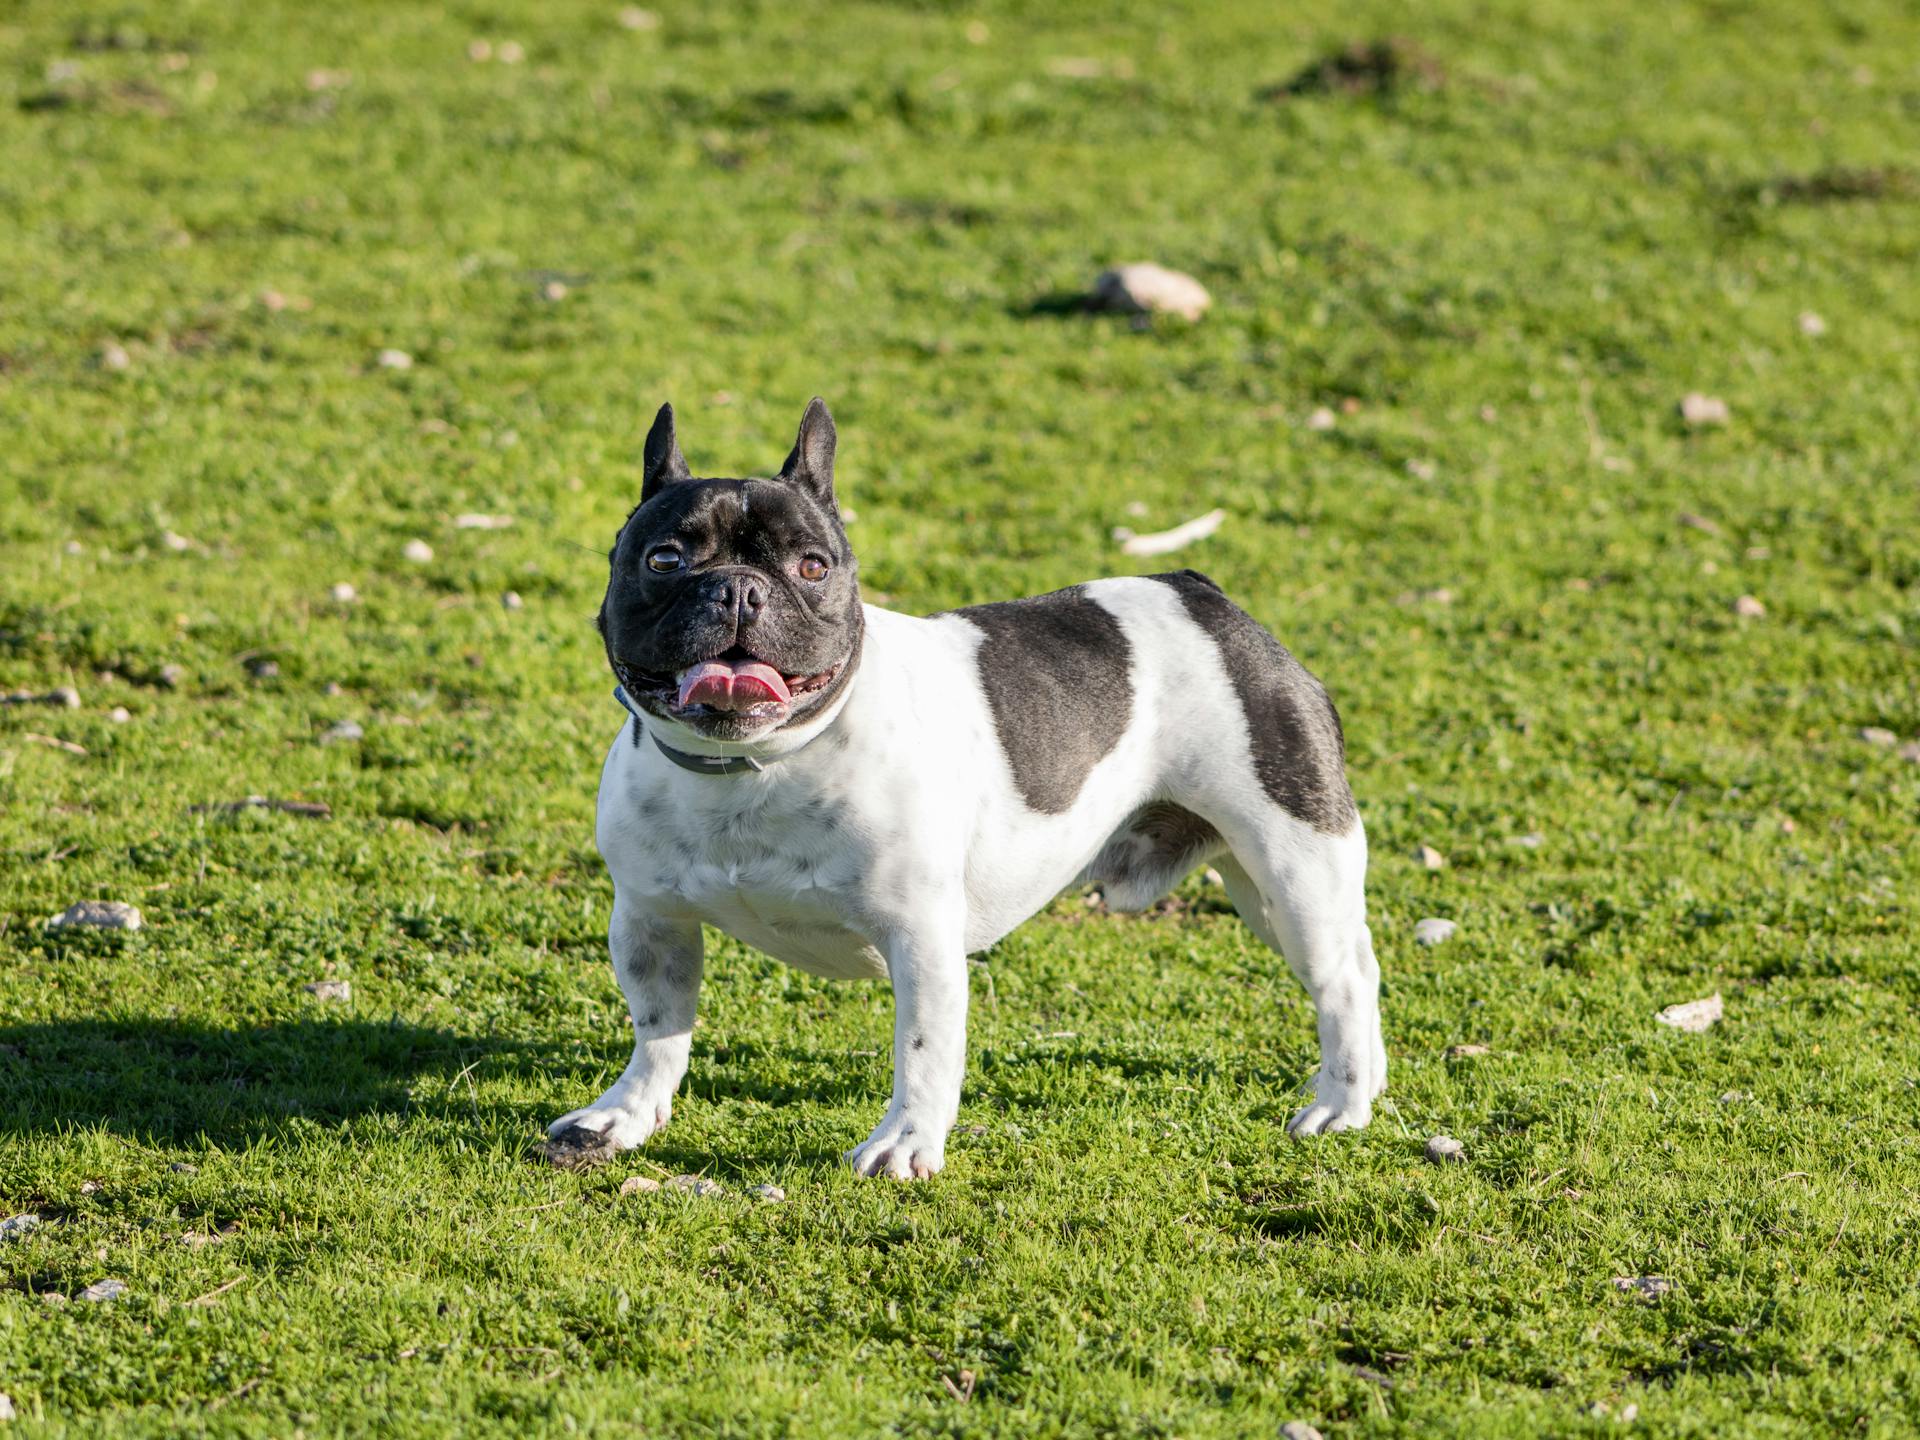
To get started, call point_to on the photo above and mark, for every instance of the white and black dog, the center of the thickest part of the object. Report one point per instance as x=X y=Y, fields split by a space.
x=861 y=793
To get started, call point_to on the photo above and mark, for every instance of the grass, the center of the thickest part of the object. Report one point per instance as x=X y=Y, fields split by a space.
x=1500 y=255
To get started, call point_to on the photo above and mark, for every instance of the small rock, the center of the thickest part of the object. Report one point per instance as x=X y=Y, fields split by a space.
x=479 y=51
x=344 y=731
x=52 y=1297
x=512 y=52
x=14 y=1226
x=772 y=1194
x=179 y=544
x=698 y=1185
x=1699 y=522
x=173 y=676
x=1532 y=840
x=1749 y=607
x=1322 y=419
x=1647 y=1287
x=638 y=1185
x=1878 y=735
x=6 y=1406
x=418 y=551
x=1146 y=289
x=1695 y=1015
x=182 y=1167
x=1733 y=1097
x=1433 y=931
x=114 y=357
x=1466 y=1052
x=264 y=669
x=395 y=360
x=554 y=291
x=472 y=521
x=103 y=914
x=333 y=688
x=512 y=601
x=273 y=300
x=1445 y=1150
x=1422 y=469
x=65 y=696
x=92 y=1187
x=104 y=1290
x=119 y=715
x=343 y=593
x=1811 y=324
x=1910 y=752
x=1429 y=858
x=330 y=989
x=1298 y=1430
x=632 y=17
x=1701 y=410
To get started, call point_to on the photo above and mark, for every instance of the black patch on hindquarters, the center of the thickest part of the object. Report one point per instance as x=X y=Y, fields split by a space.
x=1151 y=853
x=1056 y=669
x=1299 y=753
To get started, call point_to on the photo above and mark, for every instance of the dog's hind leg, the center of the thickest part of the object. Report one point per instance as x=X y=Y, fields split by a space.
x=1302 y=892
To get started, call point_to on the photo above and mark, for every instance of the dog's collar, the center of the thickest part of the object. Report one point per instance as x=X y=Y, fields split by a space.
x=698 y=764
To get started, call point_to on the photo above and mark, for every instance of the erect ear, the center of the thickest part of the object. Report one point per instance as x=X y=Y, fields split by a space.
x=664 y=463
x=811 y=463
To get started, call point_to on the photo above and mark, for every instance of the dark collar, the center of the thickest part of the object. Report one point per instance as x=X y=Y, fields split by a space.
x=698 y=764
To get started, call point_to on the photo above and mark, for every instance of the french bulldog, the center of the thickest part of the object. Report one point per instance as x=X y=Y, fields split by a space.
x=862 y=793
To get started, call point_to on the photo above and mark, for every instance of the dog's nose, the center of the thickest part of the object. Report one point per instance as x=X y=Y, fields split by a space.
x=742 y=595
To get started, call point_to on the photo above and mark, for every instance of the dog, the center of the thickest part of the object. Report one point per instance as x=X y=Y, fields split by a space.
x=862 y=793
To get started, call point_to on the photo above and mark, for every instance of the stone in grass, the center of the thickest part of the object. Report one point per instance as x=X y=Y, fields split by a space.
x=638 y=1185
x=344 y=731
x=1298 y=1430
x=772 y=1194
x=512 y=601
x=14 y=1226
x=1433 y=931
x=1750 y=607
x=1879 y=735
x=395 y=360
x=335 y=990
x=1467 y=1052
x=1148 y=289
x=1695 y=1015
x=119 y=715
x=1445 y=1150
x=698 y=1185
x=343 y=593
x=1700 y=410
x=1532 y=840
x=1429 y=858
x=1910 y=752
x=104 y=1290
x=173 y=676
x=418 y=551
x=1647 y=1287
x=101 y=914
x=6 y=1406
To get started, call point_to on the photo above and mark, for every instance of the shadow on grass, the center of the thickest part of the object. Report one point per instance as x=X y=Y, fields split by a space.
x=165 y=1080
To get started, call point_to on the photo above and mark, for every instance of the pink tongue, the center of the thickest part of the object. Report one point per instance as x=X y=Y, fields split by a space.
x=731 y=685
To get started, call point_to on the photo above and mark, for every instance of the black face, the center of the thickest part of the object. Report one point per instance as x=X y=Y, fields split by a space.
x=732 y=606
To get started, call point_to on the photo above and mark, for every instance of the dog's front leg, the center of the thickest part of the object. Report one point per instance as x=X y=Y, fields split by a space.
x=929 y=973
x=658 y=964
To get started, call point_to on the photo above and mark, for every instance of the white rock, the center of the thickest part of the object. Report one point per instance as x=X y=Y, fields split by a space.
x=1322 y=419
x=1429 y=858
x=1749 y=607
x=1445 y=1150
x=14 y=1226
x=114 y=357
x=330 y=989
x=418 y=551
x=1163 y=541
x=6 y=1406
x=1910 y=752
x=1879 y=735
x=512 y=52
x=1532 y=840
x=344 y=593
x=65 y=696
x=1434 y=931
x=344 y=731
x=1698 y=410
x=772 y=1194
x=119 y=715
x=632 y=17
x=104 y=914
x=1811 y=324
x=104 y=1290
x=175 y=543
x=1298 y=1430
x=1647 y=1287
x=512 y=601
x=1146 y=289
x=696 y=1185
x=472 y=521
x=1466 y=1052
x=1695 y=1015
x=638 y=1185
x=479 y=51
x=395 y=360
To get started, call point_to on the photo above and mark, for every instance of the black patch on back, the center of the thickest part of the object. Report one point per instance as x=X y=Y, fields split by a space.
x=1299 y=752
x=1056 y=670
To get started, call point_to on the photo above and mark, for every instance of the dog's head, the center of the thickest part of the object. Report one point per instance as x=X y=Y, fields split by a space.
x=732 y=608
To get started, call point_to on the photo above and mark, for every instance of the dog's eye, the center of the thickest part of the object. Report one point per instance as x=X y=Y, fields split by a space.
x=663 y=559
x=813 y=568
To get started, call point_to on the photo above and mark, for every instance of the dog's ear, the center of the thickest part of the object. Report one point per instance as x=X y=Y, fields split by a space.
x=664 y=464
x=811 y=463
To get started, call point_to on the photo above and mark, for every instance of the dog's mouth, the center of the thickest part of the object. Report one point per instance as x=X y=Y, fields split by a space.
x=734 y=683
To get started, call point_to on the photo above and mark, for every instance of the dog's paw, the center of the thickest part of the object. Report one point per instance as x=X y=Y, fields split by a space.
x=590 y=1136
x=1335 y=1107
x=901 y=1148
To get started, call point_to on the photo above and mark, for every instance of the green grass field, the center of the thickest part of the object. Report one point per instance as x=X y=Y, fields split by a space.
x=1500 y=262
